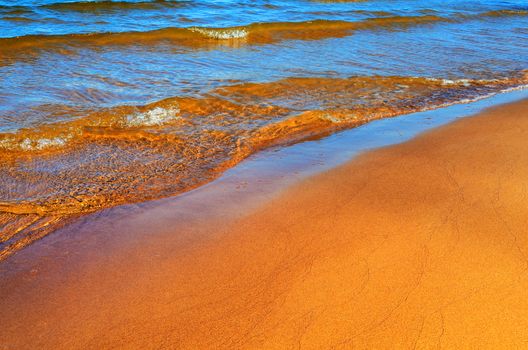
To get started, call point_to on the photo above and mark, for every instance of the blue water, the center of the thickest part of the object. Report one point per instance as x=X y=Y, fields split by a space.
x=110 y=102
x=87 y=78
x=66 y=17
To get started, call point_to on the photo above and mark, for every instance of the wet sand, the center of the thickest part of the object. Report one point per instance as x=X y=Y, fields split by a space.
x=418 y=245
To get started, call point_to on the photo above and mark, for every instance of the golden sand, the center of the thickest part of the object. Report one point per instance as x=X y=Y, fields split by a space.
x=419 y=245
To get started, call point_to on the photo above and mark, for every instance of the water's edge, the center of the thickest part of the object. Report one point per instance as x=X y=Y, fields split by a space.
x=265 y=174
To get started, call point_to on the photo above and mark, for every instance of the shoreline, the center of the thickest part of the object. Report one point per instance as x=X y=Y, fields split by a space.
x=308 y=261
x=24 y=228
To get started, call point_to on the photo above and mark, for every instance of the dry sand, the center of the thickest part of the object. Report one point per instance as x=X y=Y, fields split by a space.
x=418 y=245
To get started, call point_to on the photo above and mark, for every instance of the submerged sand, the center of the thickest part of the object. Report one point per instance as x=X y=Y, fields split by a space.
x=418 y=245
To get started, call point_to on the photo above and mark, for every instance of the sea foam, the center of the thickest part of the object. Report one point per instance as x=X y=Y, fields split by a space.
x=221 y=34
x=156 y=116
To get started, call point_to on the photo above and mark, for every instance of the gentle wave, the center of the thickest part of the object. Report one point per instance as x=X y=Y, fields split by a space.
x=231 y=104
x=126 y=154
x=96 y=6
x=15 y=9
x=196 y=37
x=497 y=14
x=221 y=34
x=90 y=6
x=246 y=110
x=205 y=37
x=156 y=116
x=16 y=19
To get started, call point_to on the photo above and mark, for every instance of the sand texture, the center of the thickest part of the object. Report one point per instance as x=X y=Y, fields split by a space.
x=419 y=245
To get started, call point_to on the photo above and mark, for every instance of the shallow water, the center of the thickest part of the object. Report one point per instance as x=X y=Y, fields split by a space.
x=110 y=102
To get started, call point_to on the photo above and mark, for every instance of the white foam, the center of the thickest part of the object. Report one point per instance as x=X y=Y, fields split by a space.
x=221 y=34
x=40 y=144
x=33 y=145
x=156 y=116
x=331 y=118
x=464 y=82
x=474 y=99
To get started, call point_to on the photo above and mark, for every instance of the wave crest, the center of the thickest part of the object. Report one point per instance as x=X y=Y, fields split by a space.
x=203 y=37
x=221 y=34
x=156 y=116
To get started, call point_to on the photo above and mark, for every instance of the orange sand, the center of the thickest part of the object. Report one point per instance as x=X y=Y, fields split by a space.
x=419 y=245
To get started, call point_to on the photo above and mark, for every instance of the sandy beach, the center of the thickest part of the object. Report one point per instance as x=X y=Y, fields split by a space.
x=417 y=245
x=263 y=174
